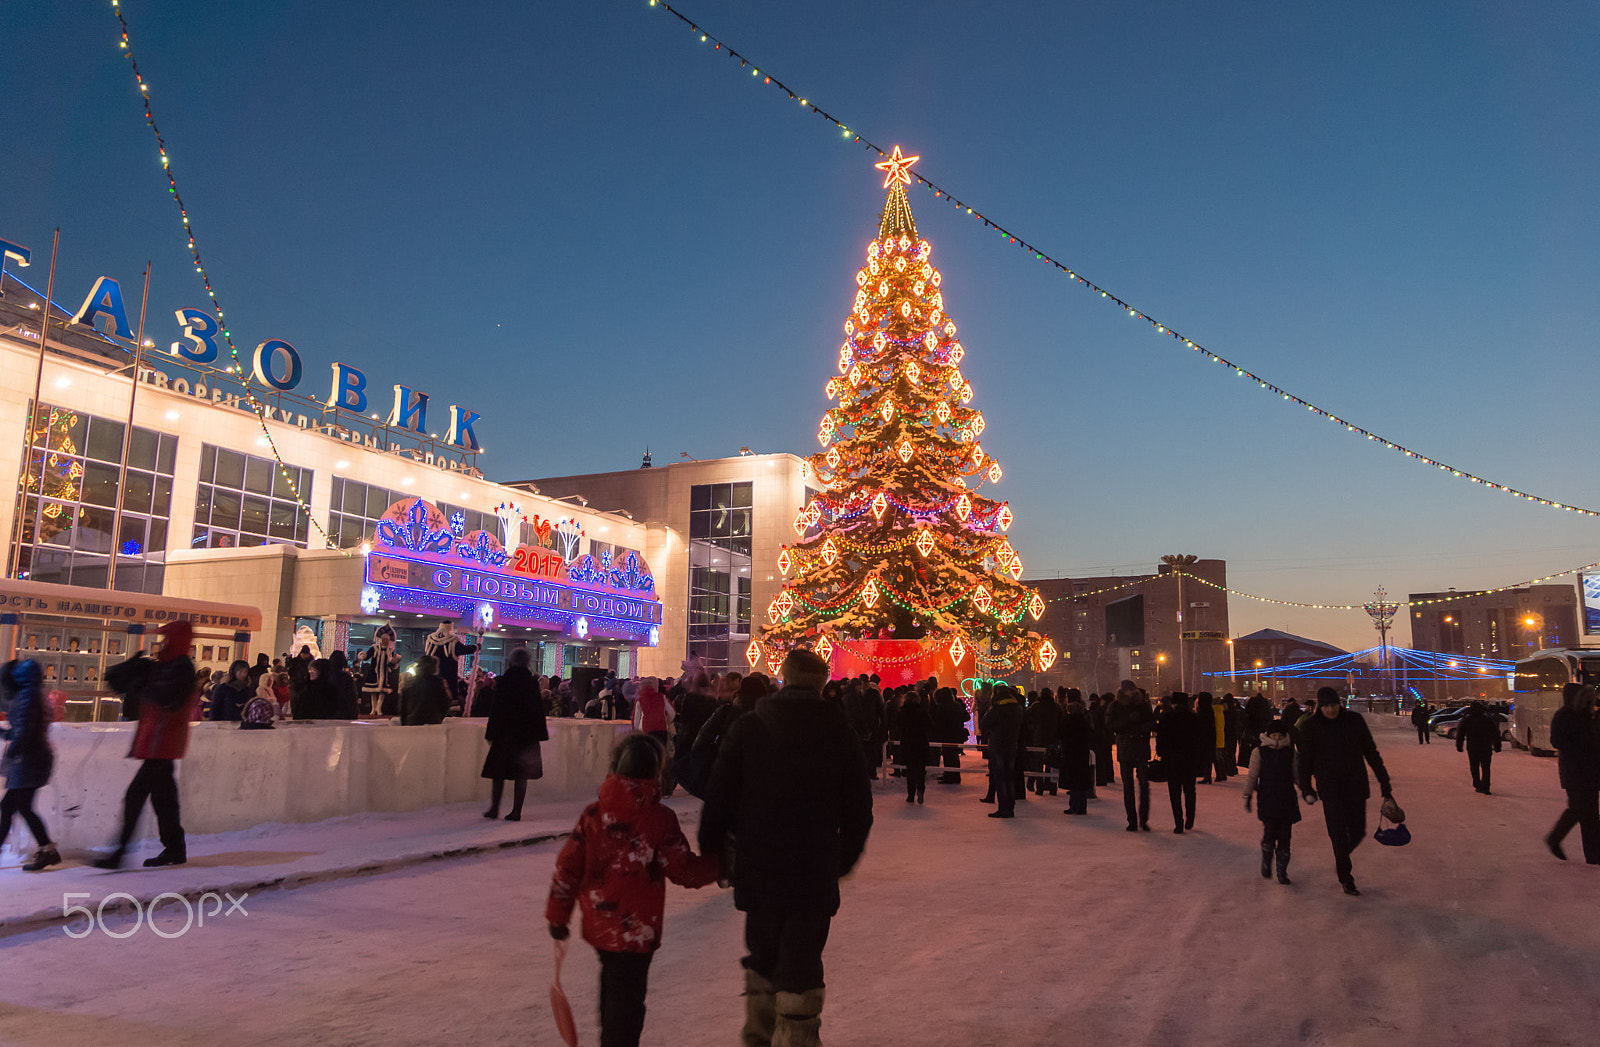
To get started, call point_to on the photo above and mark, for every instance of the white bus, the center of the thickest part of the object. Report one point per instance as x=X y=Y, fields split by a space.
x=1537 y=685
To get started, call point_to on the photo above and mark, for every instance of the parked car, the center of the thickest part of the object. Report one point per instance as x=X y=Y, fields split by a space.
x=1447 y=728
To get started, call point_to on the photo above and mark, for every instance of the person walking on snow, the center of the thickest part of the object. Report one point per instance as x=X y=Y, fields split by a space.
x=615 y=867
x=790 y=794
x=1002 y=732
x=1271 y=778
x=1479 y=734
x=1572 y=733
x=1419 y=720
x=1183 y=742
x=1335 y=743
x=168 y=698
x=28 y=759
x=1130 y=720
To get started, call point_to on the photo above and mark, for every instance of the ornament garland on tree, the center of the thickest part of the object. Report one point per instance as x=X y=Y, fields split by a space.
x=901 y=543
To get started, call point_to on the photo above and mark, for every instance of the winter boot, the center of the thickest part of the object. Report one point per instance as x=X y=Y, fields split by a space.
x=760 y=1011
x=43 y=858
x=166 y=857
x=799 y=1019
x=1283 y=867
x=1266 y=863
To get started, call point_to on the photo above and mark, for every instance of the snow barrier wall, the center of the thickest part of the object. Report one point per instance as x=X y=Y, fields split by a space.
x=303 y=771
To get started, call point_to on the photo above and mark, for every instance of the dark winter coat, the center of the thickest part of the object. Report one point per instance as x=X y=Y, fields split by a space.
x=790 y=787
x=169 y=700
x=1002 y=726
x=1335 y=752
x=28 y=759
x=1271 y=779
x=320 y=698
x=1232 y=724
x=913 y=729
x=516 y=721
x=1041 y=723
x=865 y=709
x=949 y=720
x=616 y=864
x=1478 y=732
x=1577 y=749
x=1183 y=743
x=229 y=698
x=694 y=709
x=1257 y=716
x=346 y=703
x=423 y=700
x=1077 y=740
x=1419 y=715
x=1130 y=720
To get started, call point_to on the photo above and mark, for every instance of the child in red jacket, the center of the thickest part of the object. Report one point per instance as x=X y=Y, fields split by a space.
x=614 y=867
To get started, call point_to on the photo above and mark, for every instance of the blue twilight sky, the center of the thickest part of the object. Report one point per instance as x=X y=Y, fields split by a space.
x=576 y=219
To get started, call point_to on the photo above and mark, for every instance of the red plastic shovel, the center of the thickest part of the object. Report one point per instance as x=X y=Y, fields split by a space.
x=559 y=1005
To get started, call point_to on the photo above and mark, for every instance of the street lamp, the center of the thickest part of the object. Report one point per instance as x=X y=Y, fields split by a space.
x=1160 y=658
x=1532 y=622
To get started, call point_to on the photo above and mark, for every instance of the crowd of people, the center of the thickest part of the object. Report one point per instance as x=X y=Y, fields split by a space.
x=785 y=775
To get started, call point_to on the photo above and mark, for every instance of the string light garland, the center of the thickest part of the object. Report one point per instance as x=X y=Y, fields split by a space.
x=125 y=44
x=896 y=165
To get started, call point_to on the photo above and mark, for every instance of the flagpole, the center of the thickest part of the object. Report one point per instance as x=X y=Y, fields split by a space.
x=33 y=414
x=127 y=437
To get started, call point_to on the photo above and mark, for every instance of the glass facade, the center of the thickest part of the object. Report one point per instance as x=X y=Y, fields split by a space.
x=354 y=509
x=720 y=528
x=243 y=500
x=69 y=502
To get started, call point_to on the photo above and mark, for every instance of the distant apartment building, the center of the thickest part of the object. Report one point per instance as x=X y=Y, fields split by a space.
x=1509 y=624
x=1128 y=627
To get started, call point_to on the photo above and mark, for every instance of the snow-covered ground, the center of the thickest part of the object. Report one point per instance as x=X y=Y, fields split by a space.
x=957 y=929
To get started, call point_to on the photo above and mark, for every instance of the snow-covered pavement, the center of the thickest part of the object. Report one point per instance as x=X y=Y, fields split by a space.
x=956 y=929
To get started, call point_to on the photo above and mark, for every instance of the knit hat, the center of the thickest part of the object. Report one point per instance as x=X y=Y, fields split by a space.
x=803 y=668
x=1328 y=696
x=637 y=755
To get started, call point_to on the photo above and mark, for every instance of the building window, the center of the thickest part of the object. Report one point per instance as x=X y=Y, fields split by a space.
x=244 y=500
x=69 y=498
x=720 y=514
x=720 y=528
x=354 y=509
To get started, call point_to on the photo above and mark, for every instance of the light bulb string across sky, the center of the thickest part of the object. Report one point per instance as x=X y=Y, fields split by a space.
x=940 y=192
x=125 y=44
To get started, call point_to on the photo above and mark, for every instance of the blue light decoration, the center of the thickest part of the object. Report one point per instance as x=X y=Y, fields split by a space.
x=1425 y=664
x=132 y=547
x=458 y=523
x=586 y=572
x=416 y=562
x=482 y=547
x=415 y=534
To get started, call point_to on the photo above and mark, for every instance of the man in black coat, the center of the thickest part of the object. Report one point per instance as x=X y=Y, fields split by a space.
x=1419 y=719
x=1479 y=734
x=1334 y=744
x=1130 y=720
x=1002 y=736
x=790 y=787
x=1572 y=732
x=1184 y=743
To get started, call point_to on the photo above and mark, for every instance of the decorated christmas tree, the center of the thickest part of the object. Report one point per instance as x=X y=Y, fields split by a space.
x=902 y=544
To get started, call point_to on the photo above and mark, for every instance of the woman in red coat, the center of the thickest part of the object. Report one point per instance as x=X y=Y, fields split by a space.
x=168 y=696
x=615 y=867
